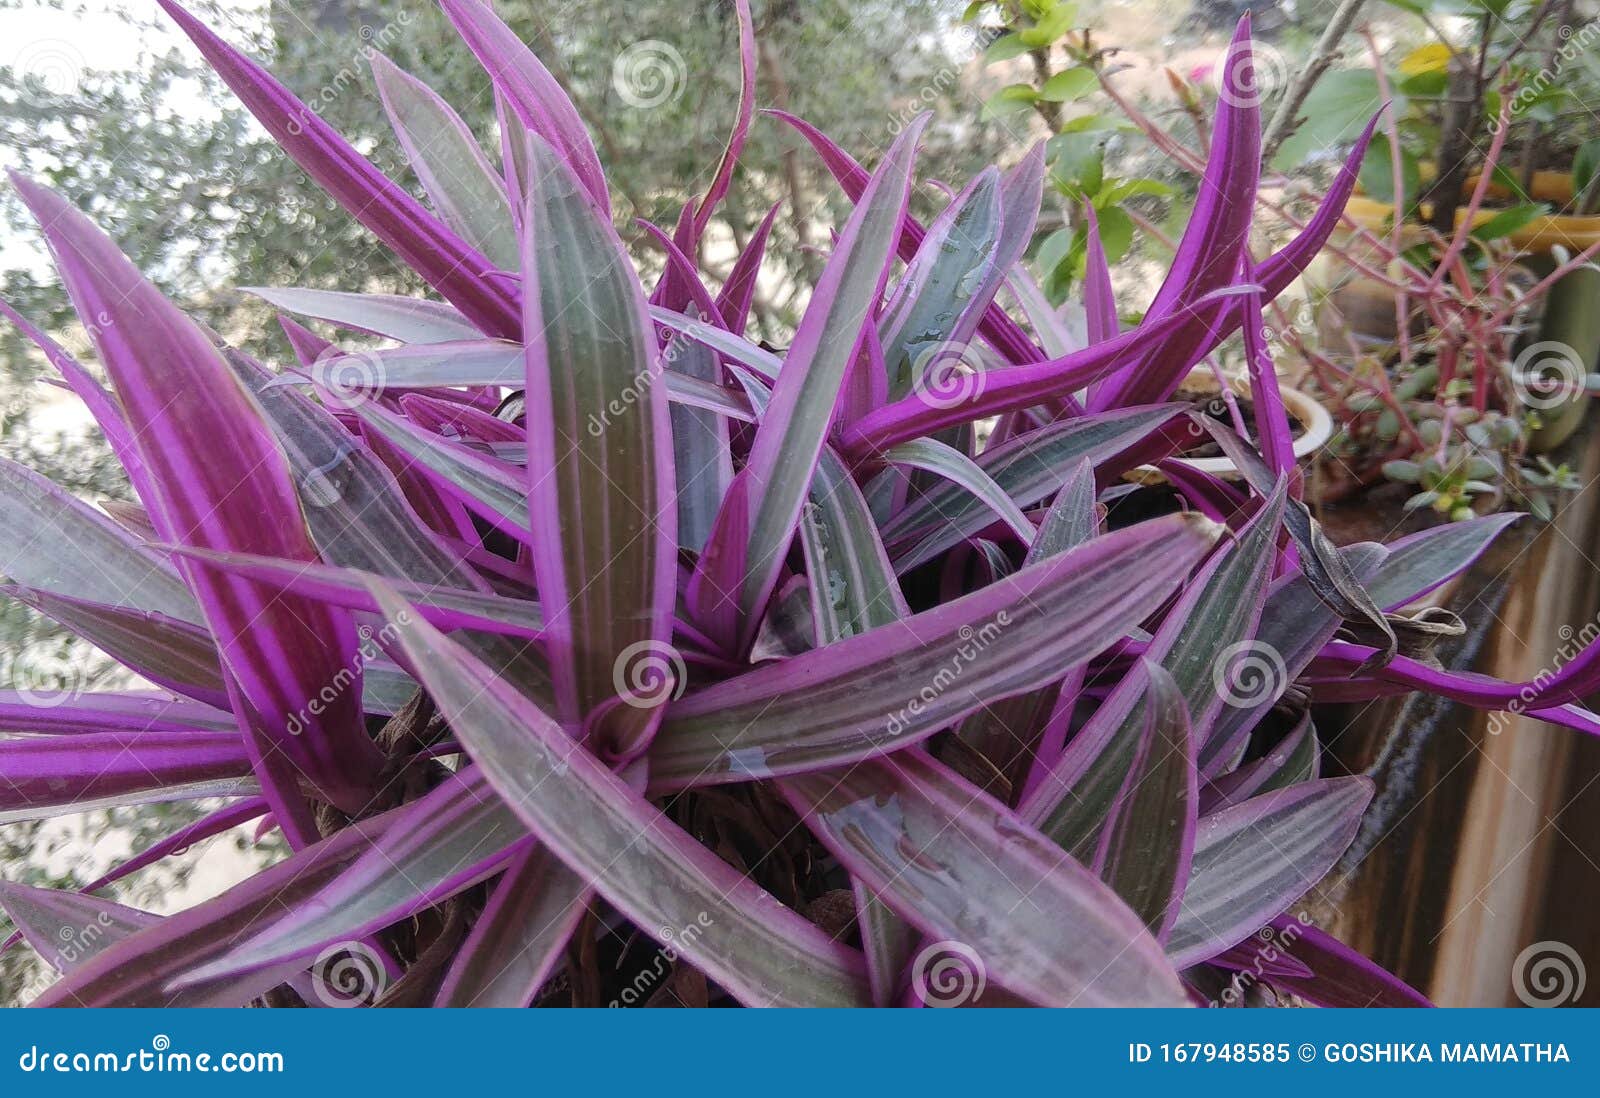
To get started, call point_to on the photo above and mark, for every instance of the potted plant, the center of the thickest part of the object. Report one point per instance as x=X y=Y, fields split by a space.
x=535 y=733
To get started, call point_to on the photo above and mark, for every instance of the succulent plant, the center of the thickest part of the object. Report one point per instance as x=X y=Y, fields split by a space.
x=583 y=649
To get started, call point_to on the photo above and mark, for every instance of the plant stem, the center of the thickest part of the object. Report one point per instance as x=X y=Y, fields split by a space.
x=1326 y=52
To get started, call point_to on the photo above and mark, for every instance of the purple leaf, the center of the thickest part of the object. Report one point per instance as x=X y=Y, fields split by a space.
x=600 y=464
x=963 y=869
x=168 y=652
x=650 y=870
x=464 y=188
x=138 y=970
x=443 y=259
x=67 y=928
x=54 y=542
x=409 y=319
x=1148 y=843
x=739 y=291
x=741 y=128
x=790 y=438
x=521 y=935
x=1209 y=254
x=865 y=695
x=128 y=711
x=222 y=484
x=1254 y=860
x=532 y=95
x=1099 y=299
x=43 y=776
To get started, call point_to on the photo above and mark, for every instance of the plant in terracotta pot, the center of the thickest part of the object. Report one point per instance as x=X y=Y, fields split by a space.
x=1466 y=345
x=1493 y=360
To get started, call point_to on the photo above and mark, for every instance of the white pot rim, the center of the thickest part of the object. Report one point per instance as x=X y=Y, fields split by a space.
x=1316 y=428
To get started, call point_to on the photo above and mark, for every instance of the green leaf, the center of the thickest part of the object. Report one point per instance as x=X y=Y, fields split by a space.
x=1055 y=23
x=1377 y=173
x=1069 y=84
x=1005 y=48
x=1508 y=221
x=1009 y=100
x=1334 y=113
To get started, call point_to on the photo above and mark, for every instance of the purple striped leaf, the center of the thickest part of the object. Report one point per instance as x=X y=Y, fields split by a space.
x=446 y=608
x=140 y=971
x=601 y=492
x=532 y=95
x=867 y=694
x=1337 y=976
x=42 y=776
x=409 y=319
x=52 y=541
x=1148 y=843
x=466 y=190
x=519 y=939
x=1252 y=861
x=168 y=652
x=935 y=307
x=222 y=484
x=649 y=869
x=1027 y=468
x=443 y=259
x=1209 y=254
x=961 y=867
x=739 y=291
x=493 y=492
x=109 y=711
x=1216 y=614
x=1099 y=299
x=454 y=837
x=1419 y=564
x=806 y=397
x=66 y=929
